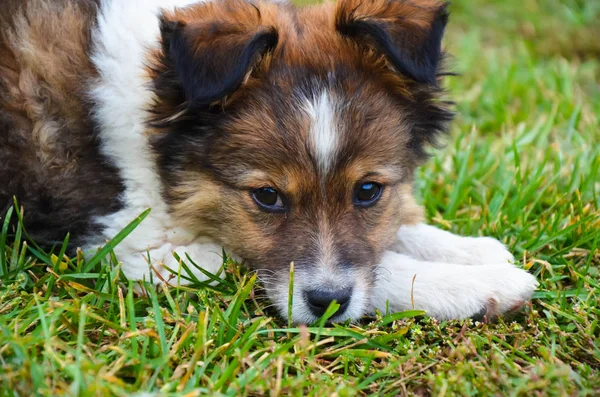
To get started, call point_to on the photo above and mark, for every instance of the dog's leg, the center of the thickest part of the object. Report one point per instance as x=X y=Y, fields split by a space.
x=147 y=251
x=429 y=243
x=449 y=291
x=159 y=263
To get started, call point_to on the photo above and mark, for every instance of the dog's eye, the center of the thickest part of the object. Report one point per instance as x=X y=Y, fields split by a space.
x=268 y=198
x=368 y=193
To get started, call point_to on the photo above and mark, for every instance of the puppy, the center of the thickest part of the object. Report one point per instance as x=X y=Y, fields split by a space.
x=279 y=134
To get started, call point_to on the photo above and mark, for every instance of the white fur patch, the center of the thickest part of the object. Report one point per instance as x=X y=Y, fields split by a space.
x=323 y=136
x=126 y=30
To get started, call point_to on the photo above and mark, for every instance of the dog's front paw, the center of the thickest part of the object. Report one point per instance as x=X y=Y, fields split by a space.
x=208 y=256
x=511 y=290
x=486 y=293
x=160 y=265
x=449 y=291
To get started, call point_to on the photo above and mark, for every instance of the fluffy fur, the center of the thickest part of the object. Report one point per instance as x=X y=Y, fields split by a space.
x=49 y=154
x=191 y=108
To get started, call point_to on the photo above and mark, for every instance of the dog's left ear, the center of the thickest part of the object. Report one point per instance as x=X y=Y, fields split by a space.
x=407 y=32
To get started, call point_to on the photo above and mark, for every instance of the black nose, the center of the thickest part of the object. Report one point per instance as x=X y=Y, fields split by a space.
x=319 y=300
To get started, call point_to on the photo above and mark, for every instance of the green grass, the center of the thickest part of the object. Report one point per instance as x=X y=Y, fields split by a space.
x=522 y=164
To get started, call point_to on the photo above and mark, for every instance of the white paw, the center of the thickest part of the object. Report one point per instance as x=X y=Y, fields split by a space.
x=485 y=292
x=160 y=265
x=207 y=256
x=509 y=288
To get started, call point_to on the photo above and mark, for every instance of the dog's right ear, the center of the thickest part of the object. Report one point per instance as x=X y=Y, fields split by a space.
x=212 y=61
x=208 y=52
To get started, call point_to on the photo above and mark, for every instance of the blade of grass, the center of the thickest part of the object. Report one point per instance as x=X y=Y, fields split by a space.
x=3 y=237
x=290 y=296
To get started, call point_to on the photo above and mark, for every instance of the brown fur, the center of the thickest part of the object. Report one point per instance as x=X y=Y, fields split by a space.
x=48 y=150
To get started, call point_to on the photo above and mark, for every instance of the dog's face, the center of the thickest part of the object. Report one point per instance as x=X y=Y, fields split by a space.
x=292 y=136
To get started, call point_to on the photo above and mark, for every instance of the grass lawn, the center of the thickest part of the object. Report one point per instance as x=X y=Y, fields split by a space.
x=522 y=164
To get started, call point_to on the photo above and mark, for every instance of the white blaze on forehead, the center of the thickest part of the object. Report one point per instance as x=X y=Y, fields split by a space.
x=323 y=135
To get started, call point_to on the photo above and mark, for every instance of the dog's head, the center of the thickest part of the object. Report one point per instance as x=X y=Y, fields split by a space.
x=292 y=135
